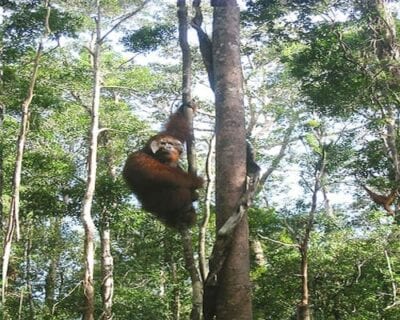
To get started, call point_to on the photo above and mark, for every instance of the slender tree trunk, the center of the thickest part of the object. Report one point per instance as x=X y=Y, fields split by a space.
x=204 y=224
x=233 y=295
x=303 y=309
x=26 y=290
x=107 y=266
x=391 y=141
x=387 y=49
x=13 y=219
x=21 y=303
x=392 y=278
x=28 y=276
x=169 y=259
x=258 y=251
x=183 y=22
x=51 y=277
x=107 y=261
x=197 y=287
x=327 y=203
x=176 y=301
x=86 y=215
x=2 y=111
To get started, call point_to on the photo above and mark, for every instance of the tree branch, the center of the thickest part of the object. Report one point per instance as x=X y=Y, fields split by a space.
x=123 y=19
x=293 y=245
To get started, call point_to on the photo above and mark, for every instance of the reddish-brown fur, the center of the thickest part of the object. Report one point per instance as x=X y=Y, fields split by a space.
x=383 y=200
x=163 y=188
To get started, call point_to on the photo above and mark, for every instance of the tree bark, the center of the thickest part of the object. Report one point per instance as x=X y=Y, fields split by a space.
x=392 y=279
x=175 y=301
x=28 y=272
x=387 y=50
x=107 y=261
x=2 y=111
x=258 y=252
x=190 y=265
x=197 y=287
x=233 y=294
x=207 y=211
x=107 y=266
x=13 y=219
x=51 y=277
x=86 y=215
x=303 y=308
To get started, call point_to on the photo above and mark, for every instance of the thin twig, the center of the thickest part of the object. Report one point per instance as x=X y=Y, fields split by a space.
x=293 y=245
x=123 y=19
x=65 y=297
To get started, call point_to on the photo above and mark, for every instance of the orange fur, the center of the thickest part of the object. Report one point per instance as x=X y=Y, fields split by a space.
x=163 y=188
x=383 y=200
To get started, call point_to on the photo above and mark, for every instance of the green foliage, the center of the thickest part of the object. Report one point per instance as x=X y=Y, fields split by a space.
x=352 y=277
x=324 y=70
x=145 y=263
x=348 y=273
x=335 y=61
x=149 y=38
x=372 y=160
x=25 y=25
x=139 y=79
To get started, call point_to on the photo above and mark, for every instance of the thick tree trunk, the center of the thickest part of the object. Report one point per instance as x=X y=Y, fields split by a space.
x=233 y=294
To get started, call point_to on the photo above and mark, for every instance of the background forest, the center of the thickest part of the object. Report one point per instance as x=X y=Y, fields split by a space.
x=322 y=103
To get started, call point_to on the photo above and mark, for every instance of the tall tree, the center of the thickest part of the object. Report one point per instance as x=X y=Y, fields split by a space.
x=107 y=262
x=315 y=182
x=197 y=292
x=13 y=219
x=233 y=294
x=349 y=35
x=86 y=215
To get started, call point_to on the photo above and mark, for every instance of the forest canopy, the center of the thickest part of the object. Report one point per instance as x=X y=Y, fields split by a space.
x=315 y=100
